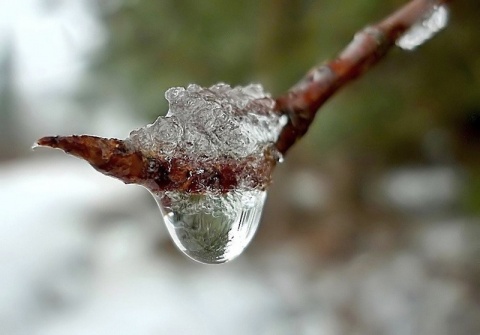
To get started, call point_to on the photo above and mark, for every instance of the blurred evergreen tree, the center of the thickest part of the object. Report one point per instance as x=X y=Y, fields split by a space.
x=8 y=127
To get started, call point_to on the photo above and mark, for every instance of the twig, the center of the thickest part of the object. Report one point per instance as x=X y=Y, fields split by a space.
x=369 y=46
x=158 y=173
x=116 y=158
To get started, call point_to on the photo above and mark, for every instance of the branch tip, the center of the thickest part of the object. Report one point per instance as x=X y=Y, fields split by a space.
x=368 y=47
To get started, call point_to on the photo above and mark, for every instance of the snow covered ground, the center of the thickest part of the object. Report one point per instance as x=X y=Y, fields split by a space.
x=79 y=254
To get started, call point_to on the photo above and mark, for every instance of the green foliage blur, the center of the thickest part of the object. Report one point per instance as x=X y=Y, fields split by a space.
x=420 y=107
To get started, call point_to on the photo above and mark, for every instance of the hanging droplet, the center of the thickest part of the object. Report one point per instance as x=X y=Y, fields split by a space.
x=425 y=29
x=212 y=228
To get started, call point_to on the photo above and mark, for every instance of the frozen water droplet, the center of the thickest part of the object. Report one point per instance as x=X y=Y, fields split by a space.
x=206 y=124
x=214 y=140
x=212 y=228
x=425 y=29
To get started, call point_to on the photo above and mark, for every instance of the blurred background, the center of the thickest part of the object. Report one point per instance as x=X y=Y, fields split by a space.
x=372 y=225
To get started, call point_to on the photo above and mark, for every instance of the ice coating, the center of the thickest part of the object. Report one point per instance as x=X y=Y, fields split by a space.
x=425 y=29
x=209 y=128
x=208 y=123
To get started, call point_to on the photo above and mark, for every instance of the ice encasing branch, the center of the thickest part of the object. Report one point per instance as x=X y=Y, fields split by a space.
x=303 y=100
x=161 y=171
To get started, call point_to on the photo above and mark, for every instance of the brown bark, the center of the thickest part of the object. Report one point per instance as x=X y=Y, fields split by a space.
x=118 y=159
x=370 y=45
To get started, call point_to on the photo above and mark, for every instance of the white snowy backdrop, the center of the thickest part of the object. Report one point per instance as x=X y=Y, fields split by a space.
x=81 y=253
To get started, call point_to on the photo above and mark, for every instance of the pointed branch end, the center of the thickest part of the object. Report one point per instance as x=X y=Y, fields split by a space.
x=47 y=141
x=91 y=148
x=109 y=156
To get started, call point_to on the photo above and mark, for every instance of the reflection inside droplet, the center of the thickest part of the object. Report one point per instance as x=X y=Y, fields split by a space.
x=212 y=228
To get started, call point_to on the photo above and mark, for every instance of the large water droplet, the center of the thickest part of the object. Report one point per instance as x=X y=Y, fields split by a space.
x=212 y=228
x=425 y=29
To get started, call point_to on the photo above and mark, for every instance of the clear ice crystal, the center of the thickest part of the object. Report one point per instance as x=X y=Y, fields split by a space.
x=204 y=125
x=209 y=228
x=425 y=29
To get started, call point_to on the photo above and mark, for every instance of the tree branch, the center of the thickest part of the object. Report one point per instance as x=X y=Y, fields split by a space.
x=116 y=158
x=370 y=45
x=157 y=172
